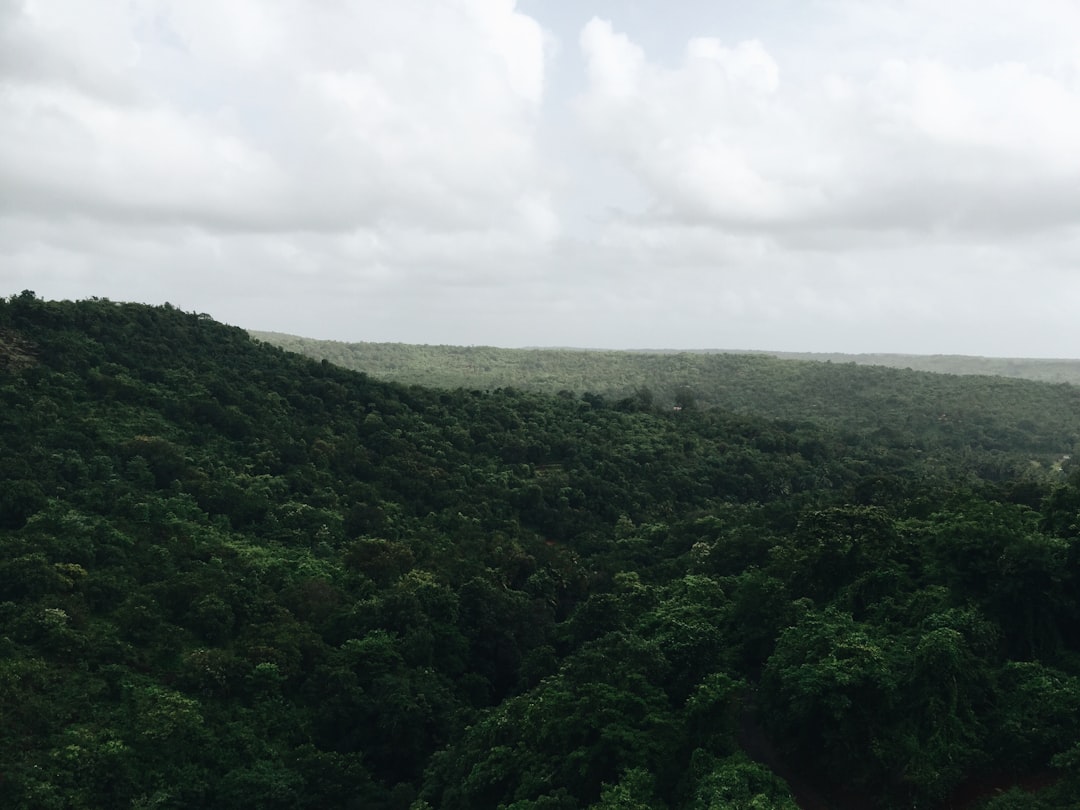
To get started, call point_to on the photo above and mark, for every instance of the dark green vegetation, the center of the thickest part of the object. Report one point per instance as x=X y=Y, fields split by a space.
x=234 y=577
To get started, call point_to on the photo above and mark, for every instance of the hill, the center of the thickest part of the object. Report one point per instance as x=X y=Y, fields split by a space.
x=231 y=576
x=988 y=412
x=545 y=369
x=1022 y=368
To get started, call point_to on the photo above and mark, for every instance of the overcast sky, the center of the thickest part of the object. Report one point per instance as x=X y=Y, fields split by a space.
x=802 y=175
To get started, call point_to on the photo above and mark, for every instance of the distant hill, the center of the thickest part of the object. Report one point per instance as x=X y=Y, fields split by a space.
x=1042 y=370
x=415 y=363
x=986 y=411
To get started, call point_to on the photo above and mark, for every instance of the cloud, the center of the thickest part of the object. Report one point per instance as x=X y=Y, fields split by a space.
x=736 y=137
x=852 y=174
x=275 y=115
x=686 y=133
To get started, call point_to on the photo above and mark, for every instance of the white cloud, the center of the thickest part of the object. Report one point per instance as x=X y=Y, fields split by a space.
x=851 y=174
x=1031 y=120
x=731 y=137
x=65 y=152
x=614 y=62
x=276 y=115
x=703 y=136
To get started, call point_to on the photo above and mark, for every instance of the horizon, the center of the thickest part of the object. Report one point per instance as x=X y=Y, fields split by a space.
x=656 y=350
x=627 y=349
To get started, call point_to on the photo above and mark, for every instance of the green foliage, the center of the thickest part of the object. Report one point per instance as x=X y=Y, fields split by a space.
x=878 y=394
x=735 y=783
x=234 y=577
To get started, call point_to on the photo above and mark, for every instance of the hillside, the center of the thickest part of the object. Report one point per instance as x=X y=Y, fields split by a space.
x=452 y=366
x=989 y=412
x=1021 y=368
x=546 y=368
x=234 y=577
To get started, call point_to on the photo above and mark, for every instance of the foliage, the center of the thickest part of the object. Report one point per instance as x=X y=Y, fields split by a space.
x=231 y=576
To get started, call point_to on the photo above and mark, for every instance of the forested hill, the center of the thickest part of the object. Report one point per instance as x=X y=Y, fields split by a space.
x=987 y=410
x=623 y=372
x=1022 y=368
x=234 y=577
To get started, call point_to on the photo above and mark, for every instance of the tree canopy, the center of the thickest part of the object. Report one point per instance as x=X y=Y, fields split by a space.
x=232 y=576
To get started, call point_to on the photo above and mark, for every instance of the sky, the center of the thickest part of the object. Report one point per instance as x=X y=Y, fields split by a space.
x=811 y=175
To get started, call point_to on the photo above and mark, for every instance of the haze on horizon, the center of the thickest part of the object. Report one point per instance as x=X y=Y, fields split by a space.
x=825 y=176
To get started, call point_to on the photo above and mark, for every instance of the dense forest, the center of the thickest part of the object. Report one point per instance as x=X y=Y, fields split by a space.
x=1024 y=368
x=235 y=577
x=755 y=383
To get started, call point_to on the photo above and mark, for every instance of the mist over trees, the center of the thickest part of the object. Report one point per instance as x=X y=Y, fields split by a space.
x=232 y=576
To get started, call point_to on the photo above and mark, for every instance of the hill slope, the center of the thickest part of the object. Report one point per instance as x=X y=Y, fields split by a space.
x=486 y=364
x=985 y=411
x=234 y=577
x=1021 y=368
